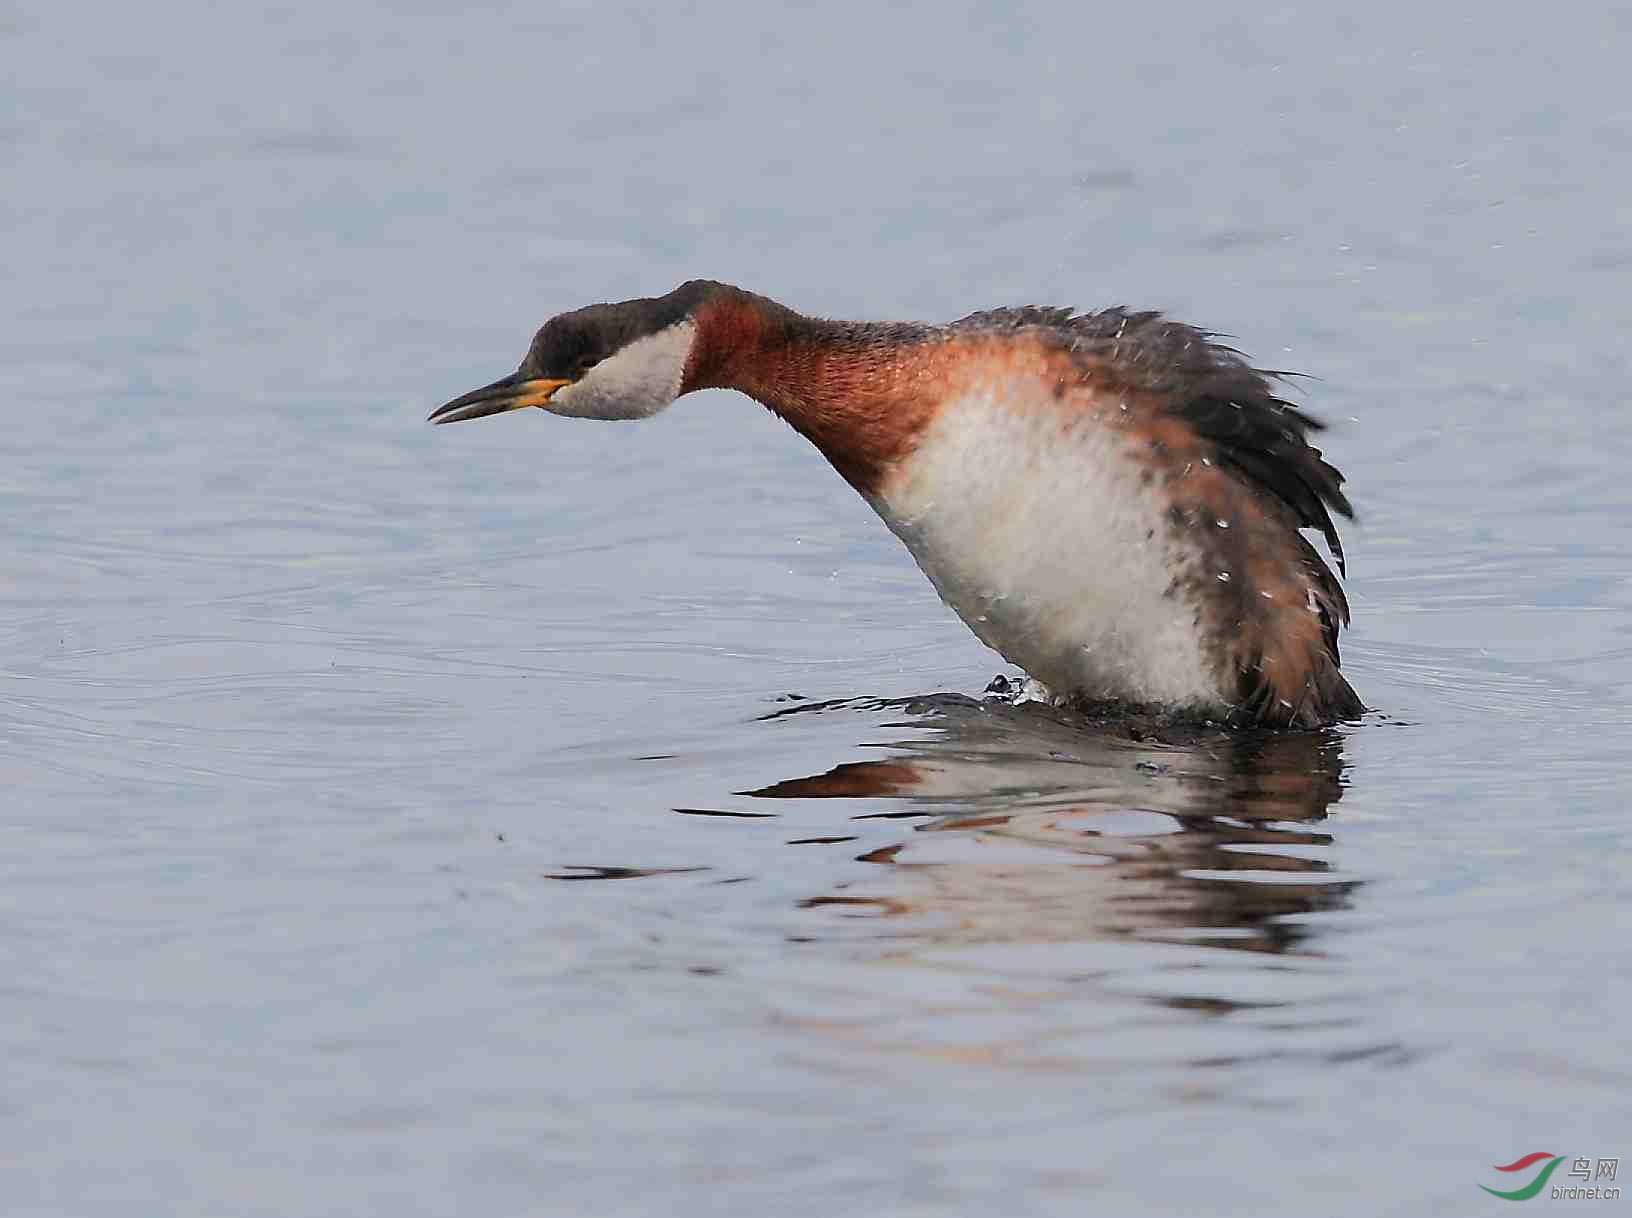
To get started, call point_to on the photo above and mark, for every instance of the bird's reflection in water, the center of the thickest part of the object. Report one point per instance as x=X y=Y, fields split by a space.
x=1139 y=900
x=1039 y=827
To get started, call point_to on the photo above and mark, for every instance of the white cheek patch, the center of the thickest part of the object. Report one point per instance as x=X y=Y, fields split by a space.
x=635 y=383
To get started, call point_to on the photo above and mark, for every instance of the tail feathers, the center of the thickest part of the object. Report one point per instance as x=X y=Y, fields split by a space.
x=1324 y=698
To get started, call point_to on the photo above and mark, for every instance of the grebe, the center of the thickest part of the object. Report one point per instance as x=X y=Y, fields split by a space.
x=1112 y=501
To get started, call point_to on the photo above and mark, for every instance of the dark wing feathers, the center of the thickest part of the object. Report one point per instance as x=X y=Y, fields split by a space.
x=1015 y=318
x=1213 y=389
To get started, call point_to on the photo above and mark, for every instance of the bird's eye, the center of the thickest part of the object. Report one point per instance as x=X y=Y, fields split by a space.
x=585 y=363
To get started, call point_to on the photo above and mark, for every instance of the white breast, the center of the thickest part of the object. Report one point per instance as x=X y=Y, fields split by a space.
x=1034 y=524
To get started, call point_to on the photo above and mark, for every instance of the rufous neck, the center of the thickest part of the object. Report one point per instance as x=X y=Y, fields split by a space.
x=852 y=389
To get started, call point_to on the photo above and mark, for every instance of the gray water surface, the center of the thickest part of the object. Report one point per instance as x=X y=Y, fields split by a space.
x=537 y=817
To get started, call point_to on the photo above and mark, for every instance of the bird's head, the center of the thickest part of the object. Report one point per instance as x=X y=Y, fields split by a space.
x=625 y=360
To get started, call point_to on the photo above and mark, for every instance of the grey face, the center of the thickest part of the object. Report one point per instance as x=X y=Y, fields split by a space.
x=634 y=382
x=605 y=361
